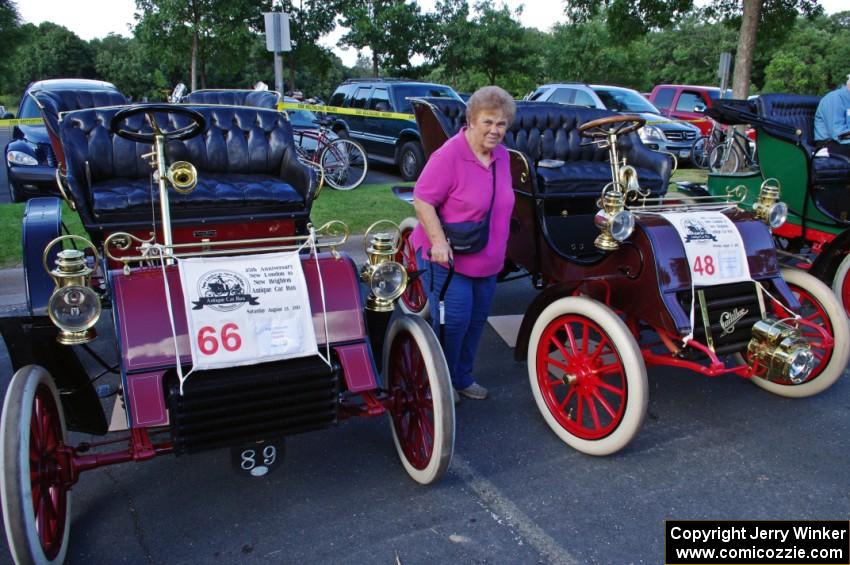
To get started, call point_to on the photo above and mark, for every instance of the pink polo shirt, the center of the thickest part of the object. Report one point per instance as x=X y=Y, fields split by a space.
x=460 y=187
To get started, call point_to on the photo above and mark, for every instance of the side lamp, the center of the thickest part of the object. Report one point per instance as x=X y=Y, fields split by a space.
x=767 y=207
x=386 y=278
x=615 y=223
x=74 y=307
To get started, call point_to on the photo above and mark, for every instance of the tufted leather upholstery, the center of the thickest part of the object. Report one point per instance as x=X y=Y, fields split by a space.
x=550 y=131
x=798 y=111
x=544 y=130
x=254 y=98
x=52 y=102
x=246 y=164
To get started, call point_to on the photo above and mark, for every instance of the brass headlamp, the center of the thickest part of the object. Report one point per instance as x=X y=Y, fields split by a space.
x=767 y=207
x=74 y=307
x=615 y=223
x=782 y=351
x=386 y=278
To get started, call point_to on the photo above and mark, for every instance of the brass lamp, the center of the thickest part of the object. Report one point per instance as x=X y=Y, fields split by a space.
x=767 y=207
x=781 y=349
x=615 y=223
x=386 y=278
x=74 y=307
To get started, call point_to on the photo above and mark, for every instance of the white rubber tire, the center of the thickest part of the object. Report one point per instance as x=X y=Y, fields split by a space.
x=15 y=486
x=440 y=386
x=637 y=388
x=841 y=334
x=407 y=225
x=842 y=277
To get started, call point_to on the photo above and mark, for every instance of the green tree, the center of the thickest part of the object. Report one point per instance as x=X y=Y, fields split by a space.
x=628 y=19
x=121 y=61
x=9 y=36
x=49 y=51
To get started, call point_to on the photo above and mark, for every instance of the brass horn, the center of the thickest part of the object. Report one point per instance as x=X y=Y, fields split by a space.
x=183 y=176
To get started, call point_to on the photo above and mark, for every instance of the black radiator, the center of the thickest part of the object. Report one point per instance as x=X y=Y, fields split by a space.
x=231 y=407
x=731 y=311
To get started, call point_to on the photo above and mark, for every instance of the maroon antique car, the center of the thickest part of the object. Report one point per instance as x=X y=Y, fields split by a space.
x=237 y=323
x=632 y=277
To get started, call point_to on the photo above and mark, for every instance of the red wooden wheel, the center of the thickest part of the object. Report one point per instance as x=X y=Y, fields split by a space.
x=415 y=298
x=841 y=283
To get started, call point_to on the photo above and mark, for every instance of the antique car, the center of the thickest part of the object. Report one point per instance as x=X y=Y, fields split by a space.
x=814 y=185
x=236 y=321
x=633 y=277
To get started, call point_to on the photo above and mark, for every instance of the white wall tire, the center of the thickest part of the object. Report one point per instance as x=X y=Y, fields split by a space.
x=32 y=391
x=415 y=298
x=421 y=408
x=818 y=301
x=599 y=405
x=841 y=283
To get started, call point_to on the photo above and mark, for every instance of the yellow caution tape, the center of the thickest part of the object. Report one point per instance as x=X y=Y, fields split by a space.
x=23 y=122
x=691 y=121
x=346 y=111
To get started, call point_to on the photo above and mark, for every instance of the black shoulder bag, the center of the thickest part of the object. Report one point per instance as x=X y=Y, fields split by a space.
x=470 y=237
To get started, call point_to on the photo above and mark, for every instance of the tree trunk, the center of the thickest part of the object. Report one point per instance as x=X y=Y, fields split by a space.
x=746 y=48
x=374 y=64
x=194 y=62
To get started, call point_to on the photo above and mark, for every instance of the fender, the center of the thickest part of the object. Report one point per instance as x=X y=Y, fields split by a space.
x=31 y=340
x=41 y=224
x=826 y=263
x=540 y=302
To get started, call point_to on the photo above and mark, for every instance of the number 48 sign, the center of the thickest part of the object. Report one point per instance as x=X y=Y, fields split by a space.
x=247 y=310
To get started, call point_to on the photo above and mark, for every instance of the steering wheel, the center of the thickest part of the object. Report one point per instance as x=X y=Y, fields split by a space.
x=617 y=125
x=199 y=123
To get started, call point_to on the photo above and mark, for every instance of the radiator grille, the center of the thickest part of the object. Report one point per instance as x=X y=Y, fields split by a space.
x=228 y=407
x=731 y=311
x=680 y=135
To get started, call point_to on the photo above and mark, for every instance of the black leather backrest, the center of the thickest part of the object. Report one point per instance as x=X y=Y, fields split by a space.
x=253 y=98
x=452 y=113
x=545 y=130
x=52 y=102
x=237 y=140
x=795 y=110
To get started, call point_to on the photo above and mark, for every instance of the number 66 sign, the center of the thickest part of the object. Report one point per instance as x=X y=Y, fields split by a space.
x=246 y=310
x=713 y=245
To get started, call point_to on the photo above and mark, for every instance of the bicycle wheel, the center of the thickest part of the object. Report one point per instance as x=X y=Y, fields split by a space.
x=700 y=150
x=723 y=158
x=344 y=163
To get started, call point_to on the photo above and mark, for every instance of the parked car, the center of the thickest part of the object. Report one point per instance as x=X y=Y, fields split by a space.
x=30 y=159
x=660 y=133
x=686 y=102
x=387 y=140
x=305 y=121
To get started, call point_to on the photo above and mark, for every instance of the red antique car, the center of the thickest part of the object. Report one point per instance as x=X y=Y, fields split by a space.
x=633 y=277
x=236 y=322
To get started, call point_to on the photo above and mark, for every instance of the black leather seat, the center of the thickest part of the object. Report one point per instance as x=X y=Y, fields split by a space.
x=798 y=111
x=550 y=131
x=253 y=98
x=246 y=162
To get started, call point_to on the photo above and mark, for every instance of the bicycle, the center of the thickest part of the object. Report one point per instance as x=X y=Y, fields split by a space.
x=703 y=145
x=340 y=160
x=726 y=157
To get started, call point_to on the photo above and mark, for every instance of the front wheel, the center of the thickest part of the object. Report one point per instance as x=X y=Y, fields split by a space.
x=415 y=299
x=35 y=489
x=841 y=283
x=587 y=375
x=422 y=413
x=723 y=158
x=700 y=150
x=344 y=164
x=411 y=159
x=819 y=306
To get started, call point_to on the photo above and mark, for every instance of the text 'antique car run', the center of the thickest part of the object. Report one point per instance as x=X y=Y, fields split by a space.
x=633 y=277
x=236 y=322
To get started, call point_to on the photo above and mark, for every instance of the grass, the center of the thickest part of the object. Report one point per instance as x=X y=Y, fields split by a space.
x=358 y=208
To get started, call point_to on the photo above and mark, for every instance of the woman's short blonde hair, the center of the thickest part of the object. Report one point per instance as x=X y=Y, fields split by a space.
x=491 y=98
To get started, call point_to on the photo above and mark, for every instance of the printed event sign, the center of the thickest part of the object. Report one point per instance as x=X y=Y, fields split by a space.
x=713 y=245
x=247 y=310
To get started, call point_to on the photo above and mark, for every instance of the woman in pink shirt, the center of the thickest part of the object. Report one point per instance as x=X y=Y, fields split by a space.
x=458 y=184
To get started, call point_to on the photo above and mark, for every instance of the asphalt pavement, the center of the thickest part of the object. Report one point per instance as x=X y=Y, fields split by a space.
x=709 y=449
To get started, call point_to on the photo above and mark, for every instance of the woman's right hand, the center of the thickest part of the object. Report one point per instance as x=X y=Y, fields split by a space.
x=441 y=252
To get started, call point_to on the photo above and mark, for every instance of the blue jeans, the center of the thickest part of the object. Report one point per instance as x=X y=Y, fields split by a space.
x=467 y=305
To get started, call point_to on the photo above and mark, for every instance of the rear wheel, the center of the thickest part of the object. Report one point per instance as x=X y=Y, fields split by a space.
x=422 y=413
x=841 y=283
x=36 y=497
x=415 y=299
x=411 y=159
x=344 y=164
x=723 y=158
x=700 y=150
x=587 y=375
x=819 y=306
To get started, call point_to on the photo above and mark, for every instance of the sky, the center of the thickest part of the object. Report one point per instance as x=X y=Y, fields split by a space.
x=96 y=18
